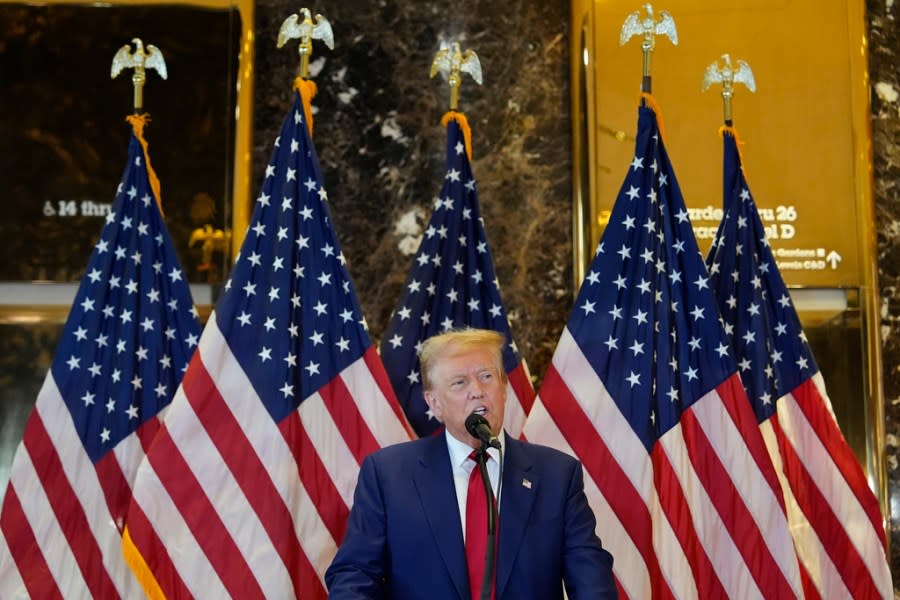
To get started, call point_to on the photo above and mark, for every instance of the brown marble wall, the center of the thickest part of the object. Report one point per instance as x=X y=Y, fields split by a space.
x=884 y=47
x=381 y=149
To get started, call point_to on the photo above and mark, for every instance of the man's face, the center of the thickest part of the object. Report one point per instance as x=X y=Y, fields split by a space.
x=463 y=382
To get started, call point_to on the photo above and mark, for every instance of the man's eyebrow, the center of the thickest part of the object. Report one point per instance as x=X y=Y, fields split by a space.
x=463 y=372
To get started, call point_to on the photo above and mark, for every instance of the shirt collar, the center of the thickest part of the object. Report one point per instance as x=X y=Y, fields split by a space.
x=459 y=451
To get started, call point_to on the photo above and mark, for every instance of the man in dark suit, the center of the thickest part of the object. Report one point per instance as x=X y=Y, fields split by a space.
x=406 y=534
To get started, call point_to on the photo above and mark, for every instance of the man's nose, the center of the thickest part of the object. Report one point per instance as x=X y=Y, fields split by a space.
x=476 y=388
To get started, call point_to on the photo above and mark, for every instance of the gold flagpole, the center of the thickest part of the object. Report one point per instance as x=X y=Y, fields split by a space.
x=728 y=75
x=451 y=62
x=140 y=61
x=649 y=29
x=306 y=31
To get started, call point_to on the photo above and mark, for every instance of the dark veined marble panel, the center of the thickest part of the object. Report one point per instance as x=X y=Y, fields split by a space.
x=884 y=53
x=381 y=146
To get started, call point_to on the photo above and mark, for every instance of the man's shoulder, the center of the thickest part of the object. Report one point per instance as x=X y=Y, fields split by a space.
x=400 y=450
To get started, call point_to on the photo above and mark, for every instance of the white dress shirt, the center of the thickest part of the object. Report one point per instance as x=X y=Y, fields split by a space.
x=462 y=470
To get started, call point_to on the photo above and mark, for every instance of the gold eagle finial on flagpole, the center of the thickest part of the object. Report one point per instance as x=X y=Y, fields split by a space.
x=649 y=29
x=140 y=61
x=728 y=75
x=451 y=62
x=306 y=31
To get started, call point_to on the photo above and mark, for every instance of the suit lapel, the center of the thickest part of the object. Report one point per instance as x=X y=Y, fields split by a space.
x=520 y=484
x=434 y=482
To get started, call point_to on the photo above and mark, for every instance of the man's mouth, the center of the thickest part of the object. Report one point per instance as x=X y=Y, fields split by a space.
x=481 y=410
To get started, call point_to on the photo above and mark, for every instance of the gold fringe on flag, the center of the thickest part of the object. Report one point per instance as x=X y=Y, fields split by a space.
x=308 y=90
x=140 y=569
x=463 y=124
x=659 y=118
x=737 y=142
x=137 y=125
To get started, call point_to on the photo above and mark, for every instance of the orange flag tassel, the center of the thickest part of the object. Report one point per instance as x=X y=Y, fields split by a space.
x=137 y=125
x=463 y=124
x=308 y=90
x=737 y=142
x=659 y=119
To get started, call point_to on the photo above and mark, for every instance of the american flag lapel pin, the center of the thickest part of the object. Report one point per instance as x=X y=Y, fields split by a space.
x=526 y=483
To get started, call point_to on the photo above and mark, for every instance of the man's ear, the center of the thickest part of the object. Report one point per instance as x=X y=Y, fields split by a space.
x=433 y=403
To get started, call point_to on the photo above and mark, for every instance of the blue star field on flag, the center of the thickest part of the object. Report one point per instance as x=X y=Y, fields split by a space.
x=289 y=312
x=645 y=316
x=451 y=284
x=133 y=327
x=772 y=351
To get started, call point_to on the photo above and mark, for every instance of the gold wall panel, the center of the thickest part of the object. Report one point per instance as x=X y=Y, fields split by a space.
x=65 y=139
x=805 y=130
x=806 y=154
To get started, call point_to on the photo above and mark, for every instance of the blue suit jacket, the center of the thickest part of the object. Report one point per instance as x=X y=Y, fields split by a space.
x=404 y=537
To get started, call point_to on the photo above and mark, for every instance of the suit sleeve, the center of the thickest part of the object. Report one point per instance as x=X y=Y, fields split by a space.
x=358 y=569
x=587 y=567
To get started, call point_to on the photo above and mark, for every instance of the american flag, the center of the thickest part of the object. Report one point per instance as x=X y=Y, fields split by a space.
x=247 y=488
x=125 y=345
x=834 y=516
x=644 y=390
x=452 y=284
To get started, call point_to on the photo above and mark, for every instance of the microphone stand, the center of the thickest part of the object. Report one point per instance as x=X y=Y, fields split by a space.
x=490 y=549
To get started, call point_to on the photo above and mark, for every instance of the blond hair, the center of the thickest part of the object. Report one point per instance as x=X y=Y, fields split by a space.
x=435 y=347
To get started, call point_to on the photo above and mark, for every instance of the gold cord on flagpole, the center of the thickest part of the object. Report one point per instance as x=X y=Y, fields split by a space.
x=463 y=122
x=141 y=60
x=648 y=101
x=137 y=126
x=451 y=62
x=308 y=90
x=738 y=142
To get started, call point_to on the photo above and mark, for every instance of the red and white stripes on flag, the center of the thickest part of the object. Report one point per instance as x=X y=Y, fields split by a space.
x=231 y=503
x=644 y=390
x=246 y=489
x=519 y=398
x=59 y=534
x=670 y=518
x=834 y=517
x=130 y=332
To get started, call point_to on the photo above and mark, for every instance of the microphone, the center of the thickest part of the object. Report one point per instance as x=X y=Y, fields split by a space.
x=478 y=427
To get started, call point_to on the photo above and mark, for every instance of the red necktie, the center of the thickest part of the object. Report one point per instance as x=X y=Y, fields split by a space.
x=476 y=531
